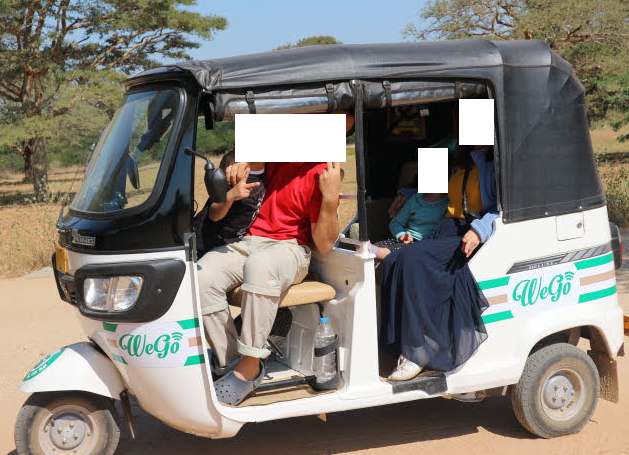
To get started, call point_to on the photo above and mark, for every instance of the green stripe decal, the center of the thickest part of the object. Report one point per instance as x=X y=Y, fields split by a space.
x=497 y=317
x=194 y=360
x=597 y=294
x=600 y=260
x=496 y=283
x=119 y=358
x=189 y=323
x=109 y=326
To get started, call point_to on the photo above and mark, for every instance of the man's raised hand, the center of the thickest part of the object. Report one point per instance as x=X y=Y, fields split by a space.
x=234 y=173
x=330 y=182
x=242 y=189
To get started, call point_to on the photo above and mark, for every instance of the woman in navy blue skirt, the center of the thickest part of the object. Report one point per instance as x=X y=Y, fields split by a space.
x=431 y=304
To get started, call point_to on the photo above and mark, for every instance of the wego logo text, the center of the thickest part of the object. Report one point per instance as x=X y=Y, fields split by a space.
x=529 y=291
x=136 y=345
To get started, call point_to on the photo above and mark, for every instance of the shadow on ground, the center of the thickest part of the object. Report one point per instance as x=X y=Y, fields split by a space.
x=392 y=425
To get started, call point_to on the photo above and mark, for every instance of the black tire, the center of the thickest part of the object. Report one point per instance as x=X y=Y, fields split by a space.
x=557 y=392
x=50 y=423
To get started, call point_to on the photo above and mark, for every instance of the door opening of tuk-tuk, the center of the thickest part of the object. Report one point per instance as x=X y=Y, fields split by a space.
x=393 y=120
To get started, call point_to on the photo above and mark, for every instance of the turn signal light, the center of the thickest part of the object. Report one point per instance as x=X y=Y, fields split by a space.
x=61 y=259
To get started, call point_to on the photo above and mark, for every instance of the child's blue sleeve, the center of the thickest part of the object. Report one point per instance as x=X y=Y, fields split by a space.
x=397 y=226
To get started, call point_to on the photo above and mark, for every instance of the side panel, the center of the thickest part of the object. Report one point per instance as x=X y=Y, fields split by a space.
x=537 y=285
x=163 y=362
x=353 y=312
x=76 y=367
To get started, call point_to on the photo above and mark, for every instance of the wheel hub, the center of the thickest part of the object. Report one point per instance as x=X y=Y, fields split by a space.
x=67 y=429
x=67 y=432
x=558 y=392
x=561 y=394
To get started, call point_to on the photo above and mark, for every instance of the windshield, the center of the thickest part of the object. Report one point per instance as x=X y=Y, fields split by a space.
x=124 y=167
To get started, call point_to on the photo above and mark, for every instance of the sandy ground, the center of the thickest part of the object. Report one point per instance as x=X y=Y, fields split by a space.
x=35 y=322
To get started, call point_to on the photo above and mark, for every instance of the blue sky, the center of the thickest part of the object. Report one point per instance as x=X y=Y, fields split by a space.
x=259 y=25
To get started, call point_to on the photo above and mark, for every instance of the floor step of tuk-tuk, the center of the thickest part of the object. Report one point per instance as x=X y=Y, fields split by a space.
x=282 y=383
x=431 y=382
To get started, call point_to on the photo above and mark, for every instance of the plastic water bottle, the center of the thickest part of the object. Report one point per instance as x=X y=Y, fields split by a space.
x=325 y=344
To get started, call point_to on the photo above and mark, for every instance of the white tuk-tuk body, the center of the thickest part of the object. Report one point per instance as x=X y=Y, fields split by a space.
x=547 y=272
x=164 y=362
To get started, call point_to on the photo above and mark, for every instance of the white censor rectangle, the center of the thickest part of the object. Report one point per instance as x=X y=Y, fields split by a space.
x=476 y=122
x=290 y=138
x=432 y=170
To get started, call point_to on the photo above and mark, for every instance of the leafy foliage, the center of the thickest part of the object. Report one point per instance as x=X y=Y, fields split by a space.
x=217 y=141
x=592 y=35
x=58 y=54
x=616 y=101
x=311 y=41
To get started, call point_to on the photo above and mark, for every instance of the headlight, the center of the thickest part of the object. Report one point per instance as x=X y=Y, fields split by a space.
x=116 y=293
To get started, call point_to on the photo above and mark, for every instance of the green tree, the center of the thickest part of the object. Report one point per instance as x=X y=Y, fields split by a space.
x=592 y=35
x=616 y=100
x=311 y=41
x=55 y=54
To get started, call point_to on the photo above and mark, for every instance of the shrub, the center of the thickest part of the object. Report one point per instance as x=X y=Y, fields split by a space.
x=216 y=141
x=616 y=186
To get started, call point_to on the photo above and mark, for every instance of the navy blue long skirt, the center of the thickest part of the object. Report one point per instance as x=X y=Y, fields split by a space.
x=431 y=304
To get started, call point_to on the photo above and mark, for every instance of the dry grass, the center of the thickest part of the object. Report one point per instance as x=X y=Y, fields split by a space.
x=28 y=229
x=604 y=140
x=28 y=238
x=615 y=179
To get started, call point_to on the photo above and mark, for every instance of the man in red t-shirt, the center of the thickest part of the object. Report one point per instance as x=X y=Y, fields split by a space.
x=300 y=204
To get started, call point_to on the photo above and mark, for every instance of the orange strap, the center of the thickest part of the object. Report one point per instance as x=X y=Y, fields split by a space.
x=472 y=190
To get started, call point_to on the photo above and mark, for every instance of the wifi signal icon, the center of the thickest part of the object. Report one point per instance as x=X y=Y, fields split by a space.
x=177 y=336
x=569 y=276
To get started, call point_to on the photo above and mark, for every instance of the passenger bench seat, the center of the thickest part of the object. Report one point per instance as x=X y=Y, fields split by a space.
x=298 y=294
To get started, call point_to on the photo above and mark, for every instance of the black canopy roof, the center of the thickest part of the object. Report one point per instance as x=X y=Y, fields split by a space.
x=546 y=165
x=365 y=61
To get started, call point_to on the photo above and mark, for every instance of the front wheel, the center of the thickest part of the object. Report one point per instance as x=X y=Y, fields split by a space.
x=557 y=392
x=54 y=423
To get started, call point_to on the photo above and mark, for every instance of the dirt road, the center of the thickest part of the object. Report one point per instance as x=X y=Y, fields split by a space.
x=35 y=322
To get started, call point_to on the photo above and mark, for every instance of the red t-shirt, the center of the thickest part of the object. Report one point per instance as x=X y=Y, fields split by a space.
x=291 y=203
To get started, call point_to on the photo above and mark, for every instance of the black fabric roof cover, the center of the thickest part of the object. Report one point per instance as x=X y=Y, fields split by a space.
x=546 y=164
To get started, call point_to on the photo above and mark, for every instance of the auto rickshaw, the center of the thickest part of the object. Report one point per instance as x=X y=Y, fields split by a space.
x=126 y=256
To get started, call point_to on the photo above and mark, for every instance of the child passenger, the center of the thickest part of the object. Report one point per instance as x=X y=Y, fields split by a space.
x=227 y=222
x=416 y=221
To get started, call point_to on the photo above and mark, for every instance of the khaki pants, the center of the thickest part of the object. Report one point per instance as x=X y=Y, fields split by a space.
x=266 y=268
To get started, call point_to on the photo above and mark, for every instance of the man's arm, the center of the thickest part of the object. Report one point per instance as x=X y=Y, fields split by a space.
x=326 y=230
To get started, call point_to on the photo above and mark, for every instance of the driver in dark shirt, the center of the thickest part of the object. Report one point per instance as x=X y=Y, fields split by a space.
x=227 y=222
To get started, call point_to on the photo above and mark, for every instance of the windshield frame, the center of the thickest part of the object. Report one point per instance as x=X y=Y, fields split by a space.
x=172 y=148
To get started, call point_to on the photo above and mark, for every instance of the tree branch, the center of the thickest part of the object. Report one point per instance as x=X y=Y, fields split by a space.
x=65 y=109
x=11 y=88
x=155 y=39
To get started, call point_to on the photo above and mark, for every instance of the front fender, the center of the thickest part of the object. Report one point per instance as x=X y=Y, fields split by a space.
x=76 y=367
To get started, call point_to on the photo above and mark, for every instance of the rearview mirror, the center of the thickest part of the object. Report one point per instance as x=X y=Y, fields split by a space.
x=215 y=179
x=132 y=173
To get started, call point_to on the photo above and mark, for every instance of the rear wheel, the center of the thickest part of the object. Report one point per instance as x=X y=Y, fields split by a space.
x=557 y=392
x=54 y=423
